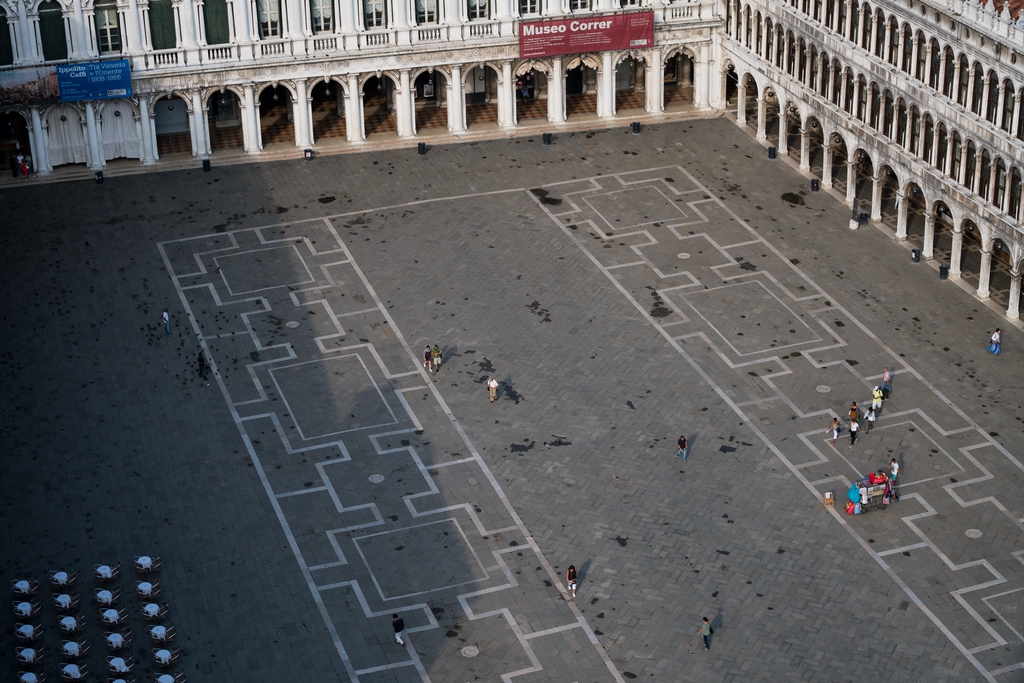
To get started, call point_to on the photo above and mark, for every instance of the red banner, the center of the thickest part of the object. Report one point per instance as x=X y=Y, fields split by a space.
x=589 y=34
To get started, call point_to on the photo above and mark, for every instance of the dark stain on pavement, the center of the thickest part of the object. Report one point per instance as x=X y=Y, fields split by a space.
x=793 y=198
x=542 y=195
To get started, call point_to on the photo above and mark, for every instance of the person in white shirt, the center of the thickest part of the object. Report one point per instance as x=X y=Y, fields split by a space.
x=894 y=472
x=492 y=388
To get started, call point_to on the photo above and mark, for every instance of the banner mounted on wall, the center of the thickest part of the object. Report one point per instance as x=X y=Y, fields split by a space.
x=94 y=80
x=552 y=38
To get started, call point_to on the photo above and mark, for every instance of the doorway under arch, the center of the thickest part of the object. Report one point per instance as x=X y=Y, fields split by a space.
x=678 y=82
x=378 y=106
x=531 y=95
x=431 y=90
x=277 y=125
x=14 y=139
x=580 y=91
x=629 y=85
x=327 y=105
x=481 y=92
x=224 y=118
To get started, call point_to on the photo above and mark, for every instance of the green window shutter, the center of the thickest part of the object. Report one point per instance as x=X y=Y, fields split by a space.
x=161 y=25
x=51 y=31
x=6 y=52
x=215 y=12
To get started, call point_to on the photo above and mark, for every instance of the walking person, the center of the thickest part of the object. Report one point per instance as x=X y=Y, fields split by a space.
x=871 y=421
x=399 y=626
x=894 y=472
x=492 y=388
x=707 y=632
x=854 y=429
x=426 y=359
x=681 y=447
x=166 y=317
x=876 y=399
x=994 y=342
x=834 y=429
x=886 y=382
x=570 y=579
x=435 y=357
x=203 y=367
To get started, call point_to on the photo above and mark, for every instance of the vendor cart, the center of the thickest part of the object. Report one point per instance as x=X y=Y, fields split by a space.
x=872 y=497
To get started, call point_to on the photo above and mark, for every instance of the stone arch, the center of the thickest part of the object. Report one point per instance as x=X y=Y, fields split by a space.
x=340 y=79
x=526 y=65
x=290 y=87
x=467 y=69
x=390 y=75
x=588 y=60
x=210 y=92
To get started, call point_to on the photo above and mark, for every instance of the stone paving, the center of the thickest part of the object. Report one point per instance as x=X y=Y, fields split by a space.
x=622 y=289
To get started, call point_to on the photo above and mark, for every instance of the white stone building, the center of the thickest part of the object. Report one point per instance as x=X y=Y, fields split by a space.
x=910 y=109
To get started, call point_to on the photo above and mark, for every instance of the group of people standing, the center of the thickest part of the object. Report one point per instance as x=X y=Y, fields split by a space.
x=878 y=395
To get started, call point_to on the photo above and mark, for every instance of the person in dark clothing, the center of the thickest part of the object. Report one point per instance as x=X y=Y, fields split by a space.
x=399 y=626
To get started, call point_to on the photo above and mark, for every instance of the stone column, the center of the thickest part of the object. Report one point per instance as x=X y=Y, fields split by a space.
x=406 y=117
x=942 y=73
x=929 y=65
x=954 y=92
x=985 y=273
x=606 y=87
x=876 y=199
x=842 y=89
x=929 y=235
x=702 y=79
x=741 y=105
x=556 y=92
x=948 y=166
x=507 y=97
x=901 y=217
x=805 y=149
x=902 y=48
x=970 y=89
x=1013 y=309
x=1015 y=121
x=96 y=161
x=200 y=128
x=856 y=97
x=301 y=115
x=783 y=130
x=148 y=152
x=762 y=106
x=954 y=256
x=250 y=120
x=354 y=111
x=976 y=184
x=27 y=43
x=349 y=19
x=851 y=182
x=655 y=83
x=135 y=45
x=848 y=18
x=1000 y=103
x=457 y=102
x=77 y=32
x=826 y=164
x=188 y=13
x=40 y=155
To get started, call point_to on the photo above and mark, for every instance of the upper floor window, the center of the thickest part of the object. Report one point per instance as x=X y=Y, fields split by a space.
x=161 y=25
x=215 y=17
x=108 y=32
x=478 y=9
x=579 y=5
x=629 y=3
x=6 y=50
x=322 y=14
x=529 y=6
x=374 y=14
x=269 y=14
x=426 y=11
x=51 y=31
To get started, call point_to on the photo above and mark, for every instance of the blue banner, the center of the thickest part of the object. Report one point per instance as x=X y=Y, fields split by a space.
x=94 y=80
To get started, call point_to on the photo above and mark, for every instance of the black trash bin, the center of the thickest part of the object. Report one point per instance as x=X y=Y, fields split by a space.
x=771 y=152
x=915 y=255
x=862 y=219
x=636 y=128
x=421 y=148
x=546 y=138
x=943 y=272
x=815 y=184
